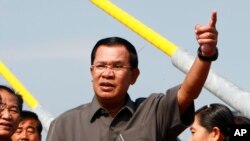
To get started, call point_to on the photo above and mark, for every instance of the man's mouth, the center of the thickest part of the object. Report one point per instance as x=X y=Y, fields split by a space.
x=107 y=86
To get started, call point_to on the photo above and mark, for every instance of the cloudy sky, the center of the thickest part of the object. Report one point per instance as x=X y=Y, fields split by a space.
x=47 y=45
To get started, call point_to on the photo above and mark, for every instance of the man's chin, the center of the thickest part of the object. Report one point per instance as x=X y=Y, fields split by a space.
x=4 y=133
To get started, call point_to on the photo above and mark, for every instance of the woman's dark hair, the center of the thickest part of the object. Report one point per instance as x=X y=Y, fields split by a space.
x=216 y=115
x=110 y=41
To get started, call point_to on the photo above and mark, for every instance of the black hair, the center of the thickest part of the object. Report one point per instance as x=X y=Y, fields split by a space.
x=18 y=96
x=216 y=115
x=241 y=120
x=110 y=41
x=28 y=114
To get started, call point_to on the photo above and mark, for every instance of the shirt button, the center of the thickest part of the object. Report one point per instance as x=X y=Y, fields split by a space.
x=103 y=111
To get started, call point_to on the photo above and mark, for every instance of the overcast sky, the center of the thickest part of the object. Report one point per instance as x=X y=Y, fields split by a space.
x=47 y=45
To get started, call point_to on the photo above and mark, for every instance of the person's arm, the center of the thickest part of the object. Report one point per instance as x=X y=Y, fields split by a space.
x=192 y=85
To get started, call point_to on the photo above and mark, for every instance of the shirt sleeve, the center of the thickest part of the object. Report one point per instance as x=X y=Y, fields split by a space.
x=52 y=135
x=169 y=120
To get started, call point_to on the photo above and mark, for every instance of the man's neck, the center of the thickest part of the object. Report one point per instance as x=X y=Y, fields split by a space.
x=5 y=139
x=113 y=106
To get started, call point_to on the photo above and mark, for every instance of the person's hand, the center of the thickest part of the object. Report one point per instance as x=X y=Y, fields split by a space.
x=207 y=35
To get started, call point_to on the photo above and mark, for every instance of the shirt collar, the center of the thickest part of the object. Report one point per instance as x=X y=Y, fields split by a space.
x=96 y=108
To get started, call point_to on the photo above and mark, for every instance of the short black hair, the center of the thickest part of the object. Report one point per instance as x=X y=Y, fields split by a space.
x=110 y=41
x=29 y=114
x=14 y=93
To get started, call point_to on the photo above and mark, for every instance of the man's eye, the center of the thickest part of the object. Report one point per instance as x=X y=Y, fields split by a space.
x=18 y=131
x=117 y=66
x=14 y=110
x=30 y=130
x=100 y=66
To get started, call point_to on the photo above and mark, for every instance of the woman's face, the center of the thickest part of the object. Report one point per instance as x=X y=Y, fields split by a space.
x=199 y=133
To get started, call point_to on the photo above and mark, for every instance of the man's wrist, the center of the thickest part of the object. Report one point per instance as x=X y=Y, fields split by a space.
x=208 y=58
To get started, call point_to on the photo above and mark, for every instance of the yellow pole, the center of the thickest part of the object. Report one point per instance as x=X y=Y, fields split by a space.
x=154 y=38
x=13 y=81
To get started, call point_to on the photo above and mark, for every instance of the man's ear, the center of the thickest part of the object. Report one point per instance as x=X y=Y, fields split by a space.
x=91 y=70
x=135 y=74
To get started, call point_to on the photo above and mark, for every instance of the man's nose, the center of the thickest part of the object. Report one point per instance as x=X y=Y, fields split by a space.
x=108 y=72
x=6 y=114
x=24 y=135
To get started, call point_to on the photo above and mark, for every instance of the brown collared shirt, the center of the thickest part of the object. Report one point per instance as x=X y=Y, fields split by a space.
x=156 y=118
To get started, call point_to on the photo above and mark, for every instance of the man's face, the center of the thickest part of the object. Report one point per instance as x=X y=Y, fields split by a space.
x=27 y=130
x=111 y=83
x=9 y=114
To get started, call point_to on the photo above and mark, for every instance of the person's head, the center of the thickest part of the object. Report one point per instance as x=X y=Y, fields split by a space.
x=114 y=67
x=241 y=120
x=212 y=123
x=29 y=128
x=10 y=108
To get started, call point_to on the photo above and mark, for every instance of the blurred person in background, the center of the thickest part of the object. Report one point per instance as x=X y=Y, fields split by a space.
x=29 y=128
x=10 y=111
